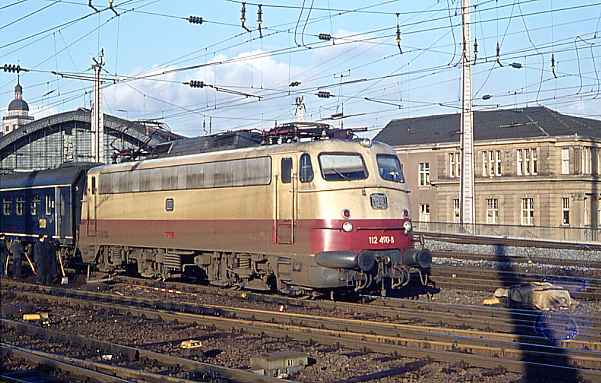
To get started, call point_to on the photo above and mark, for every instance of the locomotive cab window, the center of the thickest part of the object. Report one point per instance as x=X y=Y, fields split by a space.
x=390 y=168
x=342 y=166
x=306 y=168
x=286 y=169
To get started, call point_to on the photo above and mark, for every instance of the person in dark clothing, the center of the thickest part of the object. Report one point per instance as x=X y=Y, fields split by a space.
x=17 y=251
x=52 y=261
x=3 y=255
x=41 y=257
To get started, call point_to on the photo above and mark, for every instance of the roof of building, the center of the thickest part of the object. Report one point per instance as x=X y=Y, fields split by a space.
x=18 y=105
x=530 y=122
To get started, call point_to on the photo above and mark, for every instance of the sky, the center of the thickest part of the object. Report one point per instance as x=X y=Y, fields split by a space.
x=548 y=54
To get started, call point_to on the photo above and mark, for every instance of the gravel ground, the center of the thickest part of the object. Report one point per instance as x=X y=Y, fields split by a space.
x=525 y=267
x=330 y=364
x=441 y=245
x=16 y=368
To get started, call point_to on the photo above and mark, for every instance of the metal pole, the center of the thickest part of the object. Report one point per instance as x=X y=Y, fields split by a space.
x=96 y=120
x=467 y=215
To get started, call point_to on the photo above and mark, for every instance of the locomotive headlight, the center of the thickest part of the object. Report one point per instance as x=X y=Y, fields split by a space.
x=408 y=226
x=347 y=226
x=366 y=142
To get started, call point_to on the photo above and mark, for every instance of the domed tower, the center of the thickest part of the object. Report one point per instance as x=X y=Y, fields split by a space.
x=18 y=112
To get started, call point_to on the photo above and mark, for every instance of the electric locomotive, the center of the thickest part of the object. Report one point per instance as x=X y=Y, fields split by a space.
x=311 y=211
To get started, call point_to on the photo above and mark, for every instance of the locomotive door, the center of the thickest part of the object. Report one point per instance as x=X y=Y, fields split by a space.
x=91 y=206
x=285 y=196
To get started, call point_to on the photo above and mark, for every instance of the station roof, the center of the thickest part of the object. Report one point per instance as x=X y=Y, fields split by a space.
x=530 y=122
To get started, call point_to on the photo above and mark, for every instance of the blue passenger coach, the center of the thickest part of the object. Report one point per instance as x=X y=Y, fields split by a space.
x=42 y=202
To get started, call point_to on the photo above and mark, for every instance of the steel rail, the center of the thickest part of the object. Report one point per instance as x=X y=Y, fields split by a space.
x=488 y=356
x=516 y=259
x=515 y=320
x=134 y=354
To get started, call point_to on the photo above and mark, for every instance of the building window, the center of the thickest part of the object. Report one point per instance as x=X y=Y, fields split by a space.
x=7 y=206
x=528 y=211
x=454 y=165
x=424 y=213
x=456 y=211
x=484 y=165
x=599 y=213
x=586 y=160
x=19 y=206
x=565 y=211
x=587 y=213
x=424 y=174
x=35 y=203
x=565 y=160
x=498 y=163
x=492 y=211
x=527 y=162
x=491 y=163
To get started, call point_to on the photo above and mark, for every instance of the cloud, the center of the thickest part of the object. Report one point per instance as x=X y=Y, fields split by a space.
x=252 y=72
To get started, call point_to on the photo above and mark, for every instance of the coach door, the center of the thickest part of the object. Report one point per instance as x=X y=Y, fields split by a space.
x=285 y=202
x=92 y=192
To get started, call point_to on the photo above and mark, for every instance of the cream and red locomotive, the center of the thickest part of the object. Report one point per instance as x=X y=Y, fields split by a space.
x=300 y=216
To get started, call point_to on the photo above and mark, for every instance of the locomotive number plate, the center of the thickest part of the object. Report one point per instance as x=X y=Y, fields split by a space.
x=381 y=240
x=379 y=201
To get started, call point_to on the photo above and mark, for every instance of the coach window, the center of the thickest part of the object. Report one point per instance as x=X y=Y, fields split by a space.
x=19 y=207
x=34 y=205
x=93 y=185
x=169 y=204
x=6 y=206
x=306 y=169
x=286 y=168
x=48 y=204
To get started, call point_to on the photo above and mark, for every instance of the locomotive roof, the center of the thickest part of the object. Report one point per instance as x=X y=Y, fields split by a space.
x=64 y=175
x=254 y=151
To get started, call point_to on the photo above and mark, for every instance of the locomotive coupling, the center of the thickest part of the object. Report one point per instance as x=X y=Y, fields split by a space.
x=417 y=258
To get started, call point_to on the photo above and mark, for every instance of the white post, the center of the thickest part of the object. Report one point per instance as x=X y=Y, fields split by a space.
x=97 y=118
x=467 y=124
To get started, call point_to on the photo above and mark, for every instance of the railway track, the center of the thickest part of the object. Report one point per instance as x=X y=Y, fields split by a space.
x=594 y=266
x=477 y=279
x=140 y=364
x=445 y=345
x=403 y=311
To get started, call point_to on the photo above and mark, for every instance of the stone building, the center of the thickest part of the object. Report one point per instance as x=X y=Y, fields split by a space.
x=17 y=114
x=536 y=171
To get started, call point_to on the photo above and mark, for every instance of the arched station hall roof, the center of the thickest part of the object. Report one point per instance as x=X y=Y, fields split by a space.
x=133 y=132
